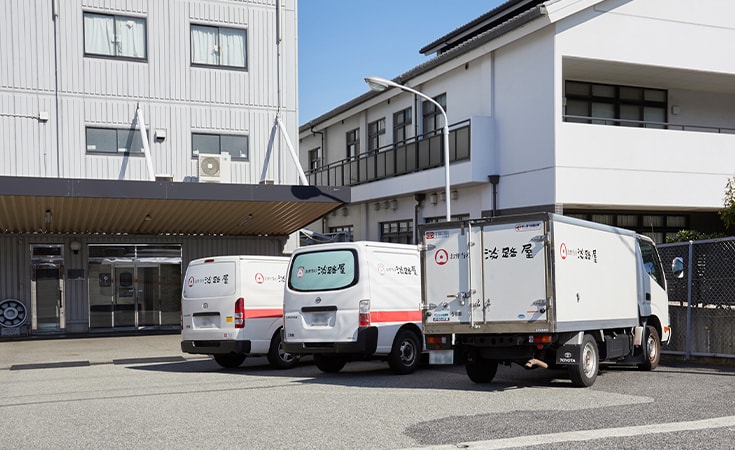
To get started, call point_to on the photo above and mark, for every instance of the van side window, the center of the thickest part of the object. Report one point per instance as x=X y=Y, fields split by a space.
x=323 y=270
x=651 y=262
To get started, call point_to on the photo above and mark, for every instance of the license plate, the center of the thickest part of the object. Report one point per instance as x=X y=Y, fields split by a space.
x=208 y=321
x=440 y=357
x=319 y=319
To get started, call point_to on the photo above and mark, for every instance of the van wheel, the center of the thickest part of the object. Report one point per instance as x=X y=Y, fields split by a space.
x=481 y=370
x=229 y=360
x=329 y=364
x=405 y=355
x=278 y=358
x=585 y=373
x=651 y=350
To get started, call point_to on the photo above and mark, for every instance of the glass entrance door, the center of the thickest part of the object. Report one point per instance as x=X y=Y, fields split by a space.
x=47 y=287
x=134 y=286
x=125 y=304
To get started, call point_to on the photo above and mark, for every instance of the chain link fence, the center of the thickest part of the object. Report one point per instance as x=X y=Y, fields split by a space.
x=702 y=297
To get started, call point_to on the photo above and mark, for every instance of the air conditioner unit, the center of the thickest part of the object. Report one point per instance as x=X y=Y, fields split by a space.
x=214 y=168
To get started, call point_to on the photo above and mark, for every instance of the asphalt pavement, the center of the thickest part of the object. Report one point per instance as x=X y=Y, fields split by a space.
x=86 y=351
x=48 y=352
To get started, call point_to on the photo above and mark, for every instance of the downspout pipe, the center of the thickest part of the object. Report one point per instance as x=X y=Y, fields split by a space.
x=494 y=180
x=55 y=18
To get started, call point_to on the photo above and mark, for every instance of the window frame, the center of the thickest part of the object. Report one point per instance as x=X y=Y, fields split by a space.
x=403 y=234
x=352 y=146
x=315 y=158
x=619 y=100
x=137 y=136
x=114 y=18
x=219 y=136
x=219 y=28
x=376 y=134
x=658 y=227
x=402 y=122
x=431 y=115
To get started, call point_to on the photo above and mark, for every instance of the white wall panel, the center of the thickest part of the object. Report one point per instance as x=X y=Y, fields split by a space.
x=104 y=91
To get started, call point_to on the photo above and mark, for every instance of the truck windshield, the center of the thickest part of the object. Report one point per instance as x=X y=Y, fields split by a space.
x=652 y=262
x=323 y=270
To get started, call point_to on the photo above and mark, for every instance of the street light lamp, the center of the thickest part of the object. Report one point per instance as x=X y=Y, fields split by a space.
x=381 y=84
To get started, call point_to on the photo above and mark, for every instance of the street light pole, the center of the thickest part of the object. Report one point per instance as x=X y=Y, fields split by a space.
x=381 y=84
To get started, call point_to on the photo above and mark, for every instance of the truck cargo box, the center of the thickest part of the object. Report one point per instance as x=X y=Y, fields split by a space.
x=531 y=287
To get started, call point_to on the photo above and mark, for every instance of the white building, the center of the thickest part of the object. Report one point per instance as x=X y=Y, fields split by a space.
x=133 y=139
x=619 y=111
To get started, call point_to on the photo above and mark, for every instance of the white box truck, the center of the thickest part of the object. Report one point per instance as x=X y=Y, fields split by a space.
x=354 y=301
x=542 y=290
x=232 y=307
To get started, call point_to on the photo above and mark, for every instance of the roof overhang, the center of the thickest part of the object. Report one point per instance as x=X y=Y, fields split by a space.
x=57 y=205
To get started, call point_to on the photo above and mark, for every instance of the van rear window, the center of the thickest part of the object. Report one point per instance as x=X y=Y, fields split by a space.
x=323 y=270
x=216 y=279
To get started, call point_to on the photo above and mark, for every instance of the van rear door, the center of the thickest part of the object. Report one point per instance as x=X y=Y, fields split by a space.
x=208 y=299
x=322 y=299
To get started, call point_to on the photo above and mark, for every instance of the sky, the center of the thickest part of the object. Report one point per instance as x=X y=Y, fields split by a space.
x=343 y=41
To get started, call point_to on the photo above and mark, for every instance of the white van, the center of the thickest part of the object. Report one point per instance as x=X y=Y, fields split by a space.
x=232 y=306
x=353 y=301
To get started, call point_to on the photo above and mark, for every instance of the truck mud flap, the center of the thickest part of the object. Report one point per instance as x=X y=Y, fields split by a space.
x=568 y=355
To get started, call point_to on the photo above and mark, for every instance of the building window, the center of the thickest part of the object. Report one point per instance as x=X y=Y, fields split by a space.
x=114 y=141
x=353 y=143
x=376 y=134
x=401 y=125
x=315 y=158
x=433 y=118
x=606 y=104
x=344 y=233
x=658 y=227
x=113 y=36
x=218 y=46
x=442 y=219
x=235 y=145
x=400 y=231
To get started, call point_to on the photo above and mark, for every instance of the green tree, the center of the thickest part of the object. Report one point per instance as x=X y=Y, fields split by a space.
x=692 y=235
x=728 y=213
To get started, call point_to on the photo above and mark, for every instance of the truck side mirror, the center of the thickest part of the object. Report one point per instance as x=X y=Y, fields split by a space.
x=677 y=267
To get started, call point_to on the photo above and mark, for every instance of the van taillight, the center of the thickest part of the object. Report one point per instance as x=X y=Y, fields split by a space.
x=240 y=313
x=364 y=313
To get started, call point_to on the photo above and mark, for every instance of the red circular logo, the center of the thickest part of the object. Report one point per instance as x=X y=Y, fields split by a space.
x=563 y=251
x=441 y=256
x=259 y=278
x=191 y=281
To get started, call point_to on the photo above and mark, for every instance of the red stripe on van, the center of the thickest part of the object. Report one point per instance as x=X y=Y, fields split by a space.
x=263 y=313
x=395 y=316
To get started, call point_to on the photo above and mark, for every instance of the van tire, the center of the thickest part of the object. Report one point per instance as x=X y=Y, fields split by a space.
x=405 y=355
x=229 y=360
x=277 y=357
x=481 y=370
x=329 y=364
x=585 y=373
x=651 y=350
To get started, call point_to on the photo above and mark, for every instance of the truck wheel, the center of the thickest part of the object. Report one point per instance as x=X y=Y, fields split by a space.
x=328 y=364
x=278 y=358
x=229 y=360
x=651 y=350
x=585 y=373
x=481 y=370
x=405 y=355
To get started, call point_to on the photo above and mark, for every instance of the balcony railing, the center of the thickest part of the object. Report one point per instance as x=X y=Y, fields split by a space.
x=412 y=155
x=647 y=124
